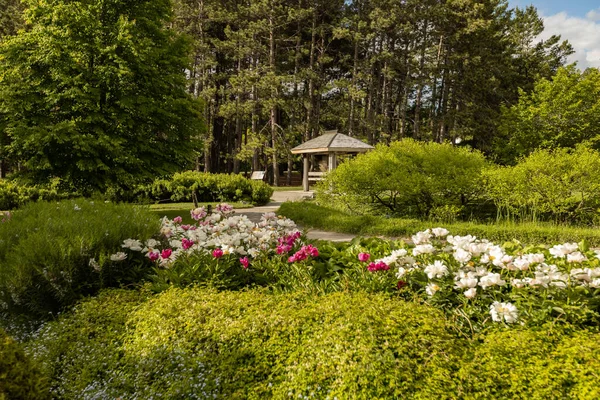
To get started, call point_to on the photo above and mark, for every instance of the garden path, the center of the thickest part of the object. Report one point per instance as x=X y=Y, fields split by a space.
x=279 y=197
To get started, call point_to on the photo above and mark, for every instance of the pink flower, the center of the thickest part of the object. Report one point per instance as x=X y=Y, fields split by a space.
x=363 y=257
x=379 y=266
x=245 y=263
x=153 y=255
x=283 y=248
x=217 y=253
x=292 y=259
x=198 y=213
x=185 y=227
x=177 y=220
x=166 y=253
x=186 y=243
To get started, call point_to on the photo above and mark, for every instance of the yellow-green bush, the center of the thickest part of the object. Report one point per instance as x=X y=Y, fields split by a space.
x=527 y=364
x=19 y=376
x=194 y=343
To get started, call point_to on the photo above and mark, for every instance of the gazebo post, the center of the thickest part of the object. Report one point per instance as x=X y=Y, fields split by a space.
x=305 y=172
x=332 y=163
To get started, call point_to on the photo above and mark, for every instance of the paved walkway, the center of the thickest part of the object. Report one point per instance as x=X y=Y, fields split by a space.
x=279 y=197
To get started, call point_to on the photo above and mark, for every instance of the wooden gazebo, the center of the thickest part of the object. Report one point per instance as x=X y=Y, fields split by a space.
x=330 y=143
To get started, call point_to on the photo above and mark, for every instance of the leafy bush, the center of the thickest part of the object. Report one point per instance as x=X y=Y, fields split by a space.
x=19 y=377
x=14 y=194
x=533 y=364
x=51 y=254
x=210 y=188
x=404 y=178
x=560 y=184
x=194 y=343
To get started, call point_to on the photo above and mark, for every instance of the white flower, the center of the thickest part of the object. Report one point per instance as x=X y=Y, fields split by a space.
x=561 y=250
x=462 y=256
x=535 y=258
x=120 y=256
x=468 y=280
x=152 y=243
x=440 y=232
x=469 y=294
x=401 y=272
x=421 y=237
x=132 y=244
x=94 y=264
x=77 y=208
x=436 y=270
x=504 y=311
x=491 y=279
x=595 y=283
x=431 y=289
x=461 y=241
x=519 y=283
x=576 y=257
x=423 y=249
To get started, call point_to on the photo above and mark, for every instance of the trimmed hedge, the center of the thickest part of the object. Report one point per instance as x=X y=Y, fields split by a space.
x=14 y=195
x=209 y=188
x=19 y=377
x=52 y=254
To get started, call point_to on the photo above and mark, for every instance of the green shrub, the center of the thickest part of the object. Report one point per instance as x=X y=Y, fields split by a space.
x=194 y=343
x=527 y=364
x=404 y=178
x=51 y=254
x=210 y=188
x=561 y=185
x=19 y=377
x=14 y=194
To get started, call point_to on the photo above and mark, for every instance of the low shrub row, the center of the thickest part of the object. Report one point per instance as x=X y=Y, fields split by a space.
x=196 y=344
x=14 y=195
x=52 y=254
x=209 y=188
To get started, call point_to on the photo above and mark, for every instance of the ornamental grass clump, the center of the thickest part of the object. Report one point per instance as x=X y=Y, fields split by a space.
x=52 y=254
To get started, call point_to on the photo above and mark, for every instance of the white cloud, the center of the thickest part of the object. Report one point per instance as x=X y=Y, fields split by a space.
x=582 y=33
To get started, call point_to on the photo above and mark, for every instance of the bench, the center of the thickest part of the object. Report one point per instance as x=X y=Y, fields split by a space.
x=258 y=175
x=315 y=176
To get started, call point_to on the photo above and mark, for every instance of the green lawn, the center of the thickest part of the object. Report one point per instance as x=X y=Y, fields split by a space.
x=286 y=188
x=311 y=215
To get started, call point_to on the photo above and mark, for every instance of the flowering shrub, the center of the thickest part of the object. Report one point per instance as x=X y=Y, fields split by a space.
x=481 y=281
x=221 y=249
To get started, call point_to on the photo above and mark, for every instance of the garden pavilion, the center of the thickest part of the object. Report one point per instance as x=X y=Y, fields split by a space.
x=330 y=144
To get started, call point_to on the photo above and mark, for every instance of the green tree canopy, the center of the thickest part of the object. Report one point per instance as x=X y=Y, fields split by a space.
x=561 y=112
x=94 y=92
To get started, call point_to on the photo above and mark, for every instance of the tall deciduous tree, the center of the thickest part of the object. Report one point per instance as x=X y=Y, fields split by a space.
x=94 y=92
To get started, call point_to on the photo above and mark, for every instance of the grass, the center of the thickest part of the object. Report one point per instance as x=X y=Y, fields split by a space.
x=172 y=210
x=310 y=215
x=286 y=188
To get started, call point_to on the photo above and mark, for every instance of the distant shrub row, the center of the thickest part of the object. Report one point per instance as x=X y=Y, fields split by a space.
x=209 y=188
x=445 y=183
x=197 y=344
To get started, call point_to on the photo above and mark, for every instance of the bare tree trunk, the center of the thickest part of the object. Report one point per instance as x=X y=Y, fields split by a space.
x=273 y=113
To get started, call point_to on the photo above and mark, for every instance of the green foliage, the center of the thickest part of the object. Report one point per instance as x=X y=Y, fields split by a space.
x=14 y=194
x=405 y=178
x=20 y=378
x=310 y=215
x=94 y=92
x=210 y=188
x=561 y=112
x=561 y=184
x=533 y=364
x=192 y=343
x=52 y=254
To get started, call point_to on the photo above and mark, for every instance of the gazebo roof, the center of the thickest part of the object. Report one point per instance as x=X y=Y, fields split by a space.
x=332 y=142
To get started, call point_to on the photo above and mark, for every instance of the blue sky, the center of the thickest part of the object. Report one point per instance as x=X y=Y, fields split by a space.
x=575 y=8
x=575 y=20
